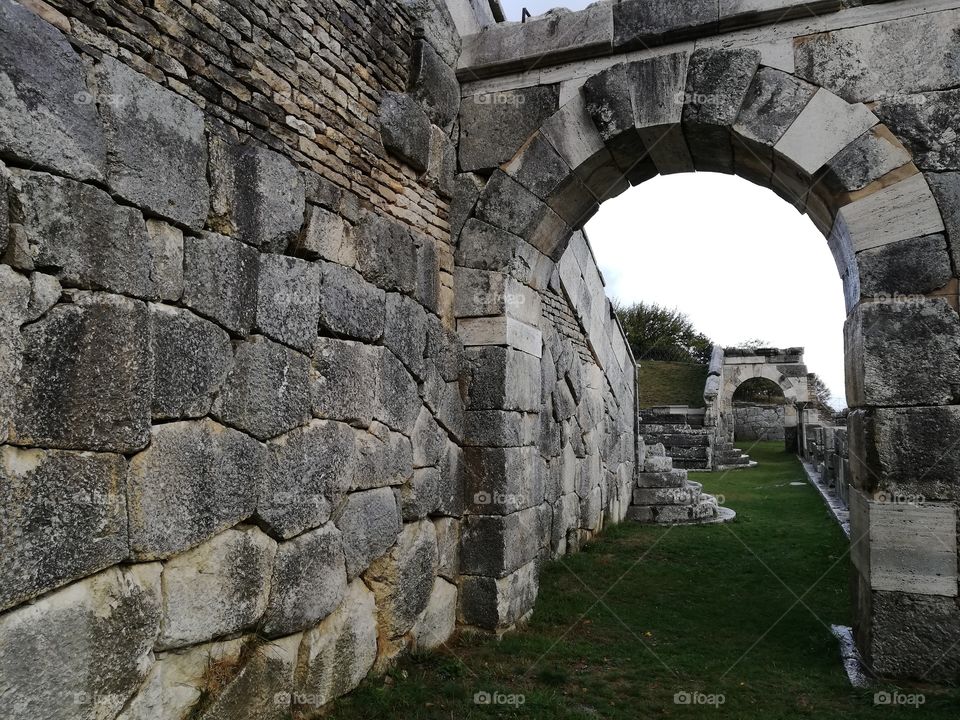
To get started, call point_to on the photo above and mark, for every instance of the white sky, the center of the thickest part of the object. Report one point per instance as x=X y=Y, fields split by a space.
x=736 y=258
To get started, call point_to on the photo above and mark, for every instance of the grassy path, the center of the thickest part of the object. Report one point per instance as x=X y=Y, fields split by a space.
x=645 y=613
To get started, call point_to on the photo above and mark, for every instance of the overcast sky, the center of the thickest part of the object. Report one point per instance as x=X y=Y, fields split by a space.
x=735 y=257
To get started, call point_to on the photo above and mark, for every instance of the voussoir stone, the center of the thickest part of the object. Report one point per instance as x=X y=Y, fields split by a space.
x=104 y=628
x=70 y=521
x=47 y=116
x=219 y=587
x=434 y=84
x=288 y=300
x=196 y=479
x=220 y=278
x=309 y=582
x=369 y=521
x=156 y=149
x=405 y=129
x=927 y=124
x=86 y=377
x=915 y=266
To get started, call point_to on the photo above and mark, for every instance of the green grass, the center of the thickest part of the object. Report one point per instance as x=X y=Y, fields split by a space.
x=688 y=609
x=671 y=383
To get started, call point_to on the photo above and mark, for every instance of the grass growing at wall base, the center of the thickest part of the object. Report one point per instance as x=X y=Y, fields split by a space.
x=645 y=613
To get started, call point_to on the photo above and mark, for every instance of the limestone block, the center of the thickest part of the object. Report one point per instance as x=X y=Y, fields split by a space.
x=288 y=301
x=644 y=22
x=902 y=353
x=868 y=158
x=370 y=522
x=338 y=653
x=325 y=237
x=420 y=495
x=927 y=124
x=311 y=470
x=749 y=13
x=438 y=620
x=191 y=358
x=946 y=190
x=195 y=479
x=448 y=547
x=386 y=253
x=15 y=293
x=257 y=195
x=309 y=582
x=383 y=458
x=499 y=428
x=405 y=332
x=86 y=377
x=92 y=242
x=442 y=171
x=405 y=129
x=349 y=305
x=4 y=208
x=500 y=331
x=452 y=482
x=501 y=481
x=70 y=519
x=218 y=588
x=220 y=279
x=509 y=206
x=826 y=126
x=156 y=150
x=434 y=85
x=538 y=166
x=919 y=265
x=166 y=249
x=105 y=628
x=501 y=378
x=497 y=545
x=493 y=126
x=267 y=391
x=47 y=117
x=482 y=293
x=444 y=349
x=497 y=603
x=485 y=247
x=45 y=292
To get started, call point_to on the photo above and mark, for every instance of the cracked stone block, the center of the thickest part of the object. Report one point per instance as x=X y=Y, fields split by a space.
x=78 y=233
x=220 y=278
x=70 y=520
x=47 y=116
x=156 y=149
x=350 y=306
x=191 y=359
x=869 y=158
x=288 y=301
x=497 y=603
x=257 y=195
x=405 y=332
x=267 y=391
x=420 y=496
x=405 y=129
x=217 y=588
x=309 y=582
x=325 y=237
x=370 y=522
x=434 y=84
x=383 y=458
x=196 y=479
x=166 y=248
x=86 y=377
x=438 y=620
x=311 y=471
x=926 y=123
x=109 y=622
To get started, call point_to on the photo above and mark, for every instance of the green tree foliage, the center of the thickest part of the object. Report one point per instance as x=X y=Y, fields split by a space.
x=820 y=394
x=759 y=390
x=658 y=333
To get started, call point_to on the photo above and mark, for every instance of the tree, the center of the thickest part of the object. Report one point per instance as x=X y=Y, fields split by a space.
x=658 y=333
x=820 y=394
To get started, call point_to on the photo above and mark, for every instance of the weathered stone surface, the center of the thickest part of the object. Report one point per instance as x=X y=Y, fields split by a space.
x=325 y=237
x=78 y=232
x=748 y=13
x=156 y=150
x=191 y=358
x=405 y=129
x=338 y=653
x=220 y=278
x=47 y=117
x=946 y=190
x=639 y=22
x=501 y=481
x=166 y=250
x=905 y=267
x=369 y=521
x=383 y=458
x=104 y=628
x=503 y=379
x=438 y=620
x=257 y=195
x=498 y=603
x=927 y=124
x=420 y=496
x=434 y=85
x=349 y=305
x=402 y=579
x=218 y=588
x=386 y=253
x=493 y=126
x=196 y=479
x=405 y=332
x=267 y=391
x=86 y=377
x=4 y=209
x=309 y=582
x=442 y=172
x=288 y=300
x=497 y=545
x=466 y=190
x=14 y=306
x=311 y=470
x=868 y=158
x=772 y=104
x=69 y=519
x=45 y=292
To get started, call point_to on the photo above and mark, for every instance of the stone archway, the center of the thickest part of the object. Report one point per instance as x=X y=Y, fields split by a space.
x=725 y=111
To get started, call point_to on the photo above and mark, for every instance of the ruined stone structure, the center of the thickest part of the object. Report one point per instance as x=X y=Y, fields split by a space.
x=754 y=421
x=304 y=360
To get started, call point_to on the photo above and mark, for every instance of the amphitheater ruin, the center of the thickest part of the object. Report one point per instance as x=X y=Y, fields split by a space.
x=305 y=360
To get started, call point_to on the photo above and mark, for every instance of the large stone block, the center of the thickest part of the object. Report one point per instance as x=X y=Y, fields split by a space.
x=772 y=104
x=906 y=267
x=439 y=619
x=267 y=391
x=288 y=300
x=311 y=470
x=349 y=305
x=405 y=129
x=257 y=195
x=156 y=150
x=47 y=117
x=405 y=332
x=196 y=479
x=166 y=249
x=501 y=481
x=497 y=545
x=927 y=124
x=77 y=229
x=15 y=293
x=386 y=253
x=383 y=458
x=644 y=22
x=420 y=495
x=434 y=84
x=946 y=190
x=486 y=247
x=218 y=588
x=86 y=377
x=105 y=628
x=69 y=519
x=867 y=159
x=370 y=522
x=220 y=278
x=191 y=358
x=498 y=603
x=325 y=237
x=502 y=378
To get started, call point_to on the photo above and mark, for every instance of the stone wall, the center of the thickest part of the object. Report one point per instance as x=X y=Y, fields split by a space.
x=757 y=422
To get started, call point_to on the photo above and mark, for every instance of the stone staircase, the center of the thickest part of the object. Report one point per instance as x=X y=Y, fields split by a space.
x=665 y=496
x=728 y=457
x=691 y=445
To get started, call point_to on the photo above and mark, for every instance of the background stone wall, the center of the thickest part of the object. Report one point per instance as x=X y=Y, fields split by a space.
x=758 y=422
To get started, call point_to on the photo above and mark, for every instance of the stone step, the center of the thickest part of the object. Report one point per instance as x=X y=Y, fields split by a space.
x=658 y=463
x=704 y=511
x=687 y=495
x=670 y=479
x=690 y=453
x=681 y=439
x=659 y=428
x=692 y=464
